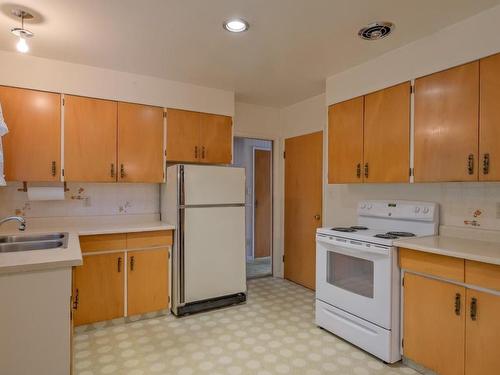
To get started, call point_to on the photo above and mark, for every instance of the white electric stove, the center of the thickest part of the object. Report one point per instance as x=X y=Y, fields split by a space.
x=357 y=274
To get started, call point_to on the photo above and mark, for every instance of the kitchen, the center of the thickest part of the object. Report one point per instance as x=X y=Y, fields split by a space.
x=267 y=333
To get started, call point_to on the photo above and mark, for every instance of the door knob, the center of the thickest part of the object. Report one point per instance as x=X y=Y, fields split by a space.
x=317 y=216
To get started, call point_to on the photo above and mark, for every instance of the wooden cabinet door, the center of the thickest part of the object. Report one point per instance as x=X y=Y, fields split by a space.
x=446 y=125
x=140 y=143
x=99 y=288
x=345 y=142
x=183 y=136
x=434 y=324
x=387 y=135
x=489 y=120
x=482 y=333
x=147 y=281
x=32 y=148
x=216 y=134
x=89 y=139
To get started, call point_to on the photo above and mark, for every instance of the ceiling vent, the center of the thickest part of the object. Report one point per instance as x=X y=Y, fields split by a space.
x=376 y=30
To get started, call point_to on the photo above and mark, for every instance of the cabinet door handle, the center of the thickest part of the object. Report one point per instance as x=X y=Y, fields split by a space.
x=119 y=264
x=358 y=170
x=473 y=309
x=486 y=163
x=122 y=171
x=76 y=300
x=53 y=168
x=112 y=170
x=196 y=152
x=470 y=163
x=203 y=152
x=366 y=170
x=458 y=302
x=132 y=262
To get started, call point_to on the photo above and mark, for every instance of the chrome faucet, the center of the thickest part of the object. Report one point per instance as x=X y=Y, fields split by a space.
x=22 y=221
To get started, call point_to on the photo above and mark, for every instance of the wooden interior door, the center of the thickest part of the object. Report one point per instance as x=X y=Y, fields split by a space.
x=303 y=206
x=387 y=135
x=99 y=288
x=147 y=281
x=140 y=143
x=183 y=136
x=32 y=148
x=262 y=203
x=489 y=124
x=89 y=139
x=481 y=351
x=345 y=142
x=216 y=139
x=446 y=125
x=434 y=332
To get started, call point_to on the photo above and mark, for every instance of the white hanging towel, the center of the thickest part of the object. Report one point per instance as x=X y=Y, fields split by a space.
x=3 y=130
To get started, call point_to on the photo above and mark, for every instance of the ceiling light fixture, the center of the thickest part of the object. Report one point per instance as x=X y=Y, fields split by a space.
x=235 y=25
x=21 y=32
x=376 y=30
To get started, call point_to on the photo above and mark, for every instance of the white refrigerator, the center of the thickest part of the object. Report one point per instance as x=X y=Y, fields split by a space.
x=207 y=205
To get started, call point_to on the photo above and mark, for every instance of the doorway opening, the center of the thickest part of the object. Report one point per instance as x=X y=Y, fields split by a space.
x=256 y=156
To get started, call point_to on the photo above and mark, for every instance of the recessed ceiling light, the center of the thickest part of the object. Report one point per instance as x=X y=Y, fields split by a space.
x=236 y=25
x=376 y=30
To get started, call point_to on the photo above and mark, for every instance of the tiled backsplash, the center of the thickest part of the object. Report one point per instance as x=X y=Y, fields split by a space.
x=459 y=202
x=83 y=199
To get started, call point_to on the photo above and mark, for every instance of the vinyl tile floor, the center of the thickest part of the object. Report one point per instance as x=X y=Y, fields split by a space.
x=273 y=333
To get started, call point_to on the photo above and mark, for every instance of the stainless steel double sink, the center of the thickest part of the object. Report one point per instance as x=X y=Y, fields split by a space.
x=46 y=241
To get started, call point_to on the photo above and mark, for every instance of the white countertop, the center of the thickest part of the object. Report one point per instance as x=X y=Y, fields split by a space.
x=72 y=255
x=457 y=247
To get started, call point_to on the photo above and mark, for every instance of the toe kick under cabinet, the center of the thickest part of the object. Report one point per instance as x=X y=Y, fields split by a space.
x=450 y=314
x=123 y=274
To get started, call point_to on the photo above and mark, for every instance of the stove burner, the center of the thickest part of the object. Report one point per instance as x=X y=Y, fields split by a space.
x=359 y=227
x=343 y=229
x=401 y=234
x=387 y=236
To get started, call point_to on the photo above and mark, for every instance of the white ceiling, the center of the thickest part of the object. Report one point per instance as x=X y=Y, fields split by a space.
x=291 y=47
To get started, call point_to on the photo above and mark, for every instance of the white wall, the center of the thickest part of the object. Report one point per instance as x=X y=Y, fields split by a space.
x=58 y=76
x=468 y=40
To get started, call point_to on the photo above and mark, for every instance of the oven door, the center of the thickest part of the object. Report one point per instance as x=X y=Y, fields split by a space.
x=355 y=277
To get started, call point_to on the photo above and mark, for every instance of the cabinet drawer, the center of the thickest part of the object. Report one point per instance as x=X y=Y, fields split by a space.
x=482 y=274
x=141 y=240
x=103 y=242
x=432 y=264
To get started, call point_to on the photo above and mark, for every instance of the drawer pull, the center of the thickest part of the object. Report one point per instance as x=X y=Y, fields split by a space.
x=358 y=170
x=473 y=309
x=470 y=164
x=119 y=264
x=458 y=301
x=486 y=163
x=132 y=262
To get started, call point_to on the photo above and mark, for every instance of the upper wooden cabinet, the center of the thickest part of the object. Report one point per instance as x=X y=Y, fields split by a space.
x=446 y=125
x=489 y=120
x=140 y=143
x=32 y=148
x=369 y=137
x=387 y=134
x=89 y=139
x=195 y=137
x=183 y=135
x=345 y=142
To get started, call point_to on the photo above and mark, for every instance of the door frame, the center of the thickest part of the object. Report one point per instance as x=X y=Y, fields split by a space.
x=253 y=199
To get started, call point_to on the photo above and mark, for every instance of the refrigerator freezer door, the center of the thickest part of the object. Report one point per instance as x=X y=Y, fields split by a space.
x=209 y=185
x=214 y=252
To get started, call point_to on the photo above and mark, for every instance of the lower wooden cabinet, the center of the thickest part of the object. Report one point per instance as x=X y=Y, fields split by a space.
x=147 y=281
x=449 y=328
x=99 y=288
x=482 y=332
x=99 y=291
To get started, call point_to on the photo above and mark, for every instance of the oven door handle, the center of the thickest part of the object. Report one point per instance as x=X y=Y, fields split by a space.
x=354 y=250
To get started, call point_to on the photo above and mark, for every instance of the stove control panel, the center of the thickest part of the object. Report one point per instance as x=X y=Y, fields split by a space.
x=399 y=209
